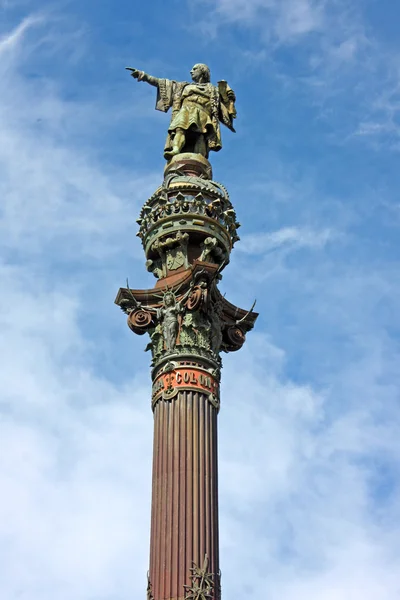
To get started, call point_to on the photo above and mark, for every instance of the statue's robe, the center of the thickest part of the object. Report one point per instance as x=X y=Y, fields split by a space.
x=196 y=106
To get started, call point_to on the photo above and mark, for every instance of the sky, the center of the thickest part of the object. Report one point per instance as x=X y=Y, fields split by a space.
x=309 y=448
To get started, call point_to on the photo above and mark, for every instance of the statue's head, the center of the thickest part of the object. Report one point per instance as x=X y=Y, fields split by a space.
x=200 y=73
x=169 y=299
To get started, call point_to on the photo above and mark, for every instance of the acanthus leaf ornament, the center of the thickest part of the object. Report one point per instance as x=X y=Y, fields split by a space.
x=149 y=588
x=190 y=318
x=203 y=583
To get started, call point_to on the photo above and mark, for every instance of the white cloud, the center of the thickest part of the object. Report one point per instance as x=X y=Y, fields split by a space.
x=49 y=190
x=342 y=67
x=300 y=520
x=287 y=238
x=298 y=459
x=73 y=518
x=13 y=38
x=299 y=17
x=287 y=19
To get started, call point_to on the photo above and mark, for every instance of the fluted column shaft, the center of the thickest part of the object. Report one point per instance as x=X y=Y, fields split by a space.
x=184 y=517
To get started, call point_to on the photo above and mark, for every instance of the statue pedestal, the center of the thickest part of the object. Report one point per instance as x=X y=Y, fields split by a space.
x=193 y=165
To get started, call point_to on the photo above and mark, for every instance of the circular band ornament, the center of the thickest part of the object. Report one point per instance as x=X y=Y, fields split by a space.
x=167 y=384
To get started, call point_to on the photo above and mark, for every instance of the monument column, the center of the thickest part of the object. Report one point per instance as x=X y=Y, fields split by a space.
x=188 y=228
x=184 y=521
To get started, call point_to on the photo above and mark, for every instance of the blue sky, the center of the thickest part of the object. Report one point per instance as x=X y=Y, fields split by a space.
x=309 y=426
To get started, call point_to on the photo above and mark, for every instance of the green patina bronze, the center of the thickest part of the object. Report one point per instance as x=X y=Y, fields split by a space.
x=198 y=108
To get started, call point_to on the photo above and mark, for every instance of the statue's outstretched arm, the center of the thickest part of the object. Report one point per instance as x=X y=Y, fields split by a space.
x=142 y=76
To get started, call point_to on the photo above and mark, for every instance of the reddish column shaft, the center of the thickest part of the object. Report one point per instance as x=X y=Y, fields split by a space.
x=184 y=517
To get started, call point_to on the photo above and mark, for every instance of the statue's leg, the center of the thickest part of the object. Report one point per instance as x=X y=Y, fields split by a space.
x=200 y=146
x=177 y=143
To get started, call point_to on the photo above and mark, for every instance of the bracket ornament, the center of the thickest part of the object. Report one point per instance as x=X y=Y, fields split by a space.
x=211 y=252
x=191 y=318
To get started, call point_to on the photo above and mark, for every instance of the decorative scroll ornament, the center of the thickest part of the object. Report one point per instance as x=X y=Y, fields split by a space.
x=235 y=338
x=195 y=299
x=202 y=587
x=139 y=321
x=199 y=298
x=197 y=323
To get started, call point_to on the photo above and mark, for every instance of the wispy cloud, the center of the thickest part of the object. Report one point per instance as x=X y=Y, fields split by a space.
x=308 y=426
x=344 y=69
x=303 y=490
x=61 y=489
x=50 y=191
x=286 y=19
x=10 y=41
x=288 y=238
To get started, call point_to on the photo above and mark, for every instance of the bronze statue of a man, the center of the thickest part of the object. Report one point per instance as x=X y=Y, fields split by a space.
x=197 y=110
